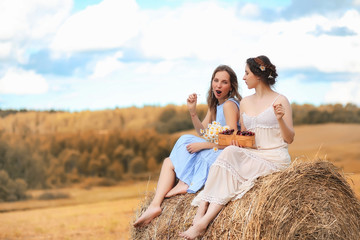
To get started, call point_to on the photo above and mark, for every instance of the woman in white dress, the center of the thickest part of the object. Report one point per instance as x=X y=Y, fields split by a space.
x=269 y=115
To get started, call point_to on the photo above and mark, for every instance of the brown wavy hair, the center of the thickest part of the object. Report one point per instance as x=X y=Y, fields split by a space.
x=233 y=93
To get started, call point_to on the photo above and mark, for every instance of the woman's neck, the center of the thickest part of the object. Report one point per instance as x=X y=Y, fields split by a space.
x=262 y=91
x=221 y=101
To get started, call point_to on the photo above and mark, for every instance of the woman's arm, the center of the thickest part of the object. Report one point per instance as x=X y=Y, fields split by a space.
x=242 y=106
x=231 y=113
x=283 y=114
x=198 y=146
x=198 y=124
x=235 y=143
x=191 y=104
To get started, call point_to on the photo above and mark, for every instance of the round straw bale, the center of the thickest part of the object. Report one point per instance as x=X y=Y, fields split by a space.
x=309 y=200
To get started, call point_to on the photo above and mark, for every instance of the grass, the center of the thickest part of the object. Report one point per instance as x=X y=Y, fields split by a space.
x=106 y=212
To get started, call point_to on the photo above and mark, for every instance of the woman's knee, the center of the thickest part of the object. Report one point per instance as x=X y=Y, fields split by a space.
x=168 y=163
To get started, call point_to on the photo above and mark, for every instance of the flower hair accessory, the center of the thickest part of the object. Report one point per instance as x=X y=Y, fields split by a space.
x=270 y=76
x=261 y=64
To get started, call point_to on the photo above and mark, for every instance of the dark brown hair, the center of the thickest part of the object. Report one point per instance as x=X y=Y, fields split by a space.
x=263 y=68
x=233 y=93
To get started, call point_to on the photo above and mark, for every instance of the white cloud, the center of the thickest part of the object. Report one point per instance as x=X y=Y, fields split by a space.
x=163 y=67
x=344 y=92
x=19 y=81
x=106 y=25
x=29 y=23
x=176 y=48
x=108 y=65
x=202 y=30
x=250 y=10
x=296 y=89
x=293 y=46
x=5 y=49
x=209 y=31
x=162 y=83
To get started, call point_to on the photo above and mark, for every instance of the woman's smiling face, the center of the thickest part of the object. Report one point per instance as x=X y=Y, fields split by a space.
x=221 y=86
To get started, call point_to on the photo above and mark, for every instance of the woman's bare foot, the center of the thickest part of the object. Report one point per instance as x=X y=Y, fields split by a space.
x=145 y=218
x=180 y=188
x=194 y=231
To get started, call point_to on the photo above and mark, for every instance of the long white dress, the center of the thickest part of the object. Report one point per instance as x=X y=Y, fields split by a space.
x=236 y=169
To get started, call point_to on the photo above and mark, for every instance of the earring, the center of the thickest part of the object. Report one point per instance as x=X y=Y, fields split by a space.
x=230 y=93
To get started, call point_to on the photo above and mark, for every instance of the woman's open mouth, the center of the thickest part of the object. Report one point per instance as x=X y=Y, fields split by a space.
x=218 y=93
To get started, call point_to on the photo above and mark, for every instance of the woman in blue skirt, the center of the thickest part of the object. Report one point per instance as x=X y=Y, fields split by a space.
x=192 y=156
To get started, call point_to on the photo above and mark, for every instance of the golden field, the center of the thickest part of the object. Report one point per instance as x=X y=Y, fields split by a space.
x=99 y=213
x=337 y=143
x=106 y=212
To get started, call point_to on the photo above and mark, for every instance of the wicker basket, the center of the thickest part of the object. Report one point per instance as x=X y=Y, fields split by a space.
x=245 y=141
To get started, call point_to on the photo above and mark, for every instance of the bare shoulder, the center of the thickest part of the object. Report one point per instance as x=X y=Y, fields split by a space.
x=230 y=105
x=282 y=99
x=245 y=100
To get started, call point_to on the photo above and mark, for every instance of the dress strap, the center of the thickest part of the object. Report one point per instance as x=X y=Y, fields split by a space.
x=275 y=99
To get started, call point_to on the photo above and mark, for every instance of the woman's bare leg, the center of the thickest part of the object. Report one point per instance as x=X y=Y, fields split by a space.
x=200 y=211
x=165 y=183
x=199 y=228
x=180 y=188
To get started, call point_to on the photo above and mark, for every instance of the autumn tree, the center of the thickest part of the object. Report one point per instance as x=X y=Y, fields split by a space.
x=11 y=190
x=137 y=165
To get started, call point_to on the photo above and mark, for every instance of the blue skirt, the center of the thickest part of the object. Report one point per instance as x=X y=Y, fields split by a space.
x=192 y=168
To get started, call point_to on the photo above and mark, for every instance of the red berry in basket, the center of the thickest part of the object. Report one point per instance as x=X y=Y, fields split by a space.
x=227 y=131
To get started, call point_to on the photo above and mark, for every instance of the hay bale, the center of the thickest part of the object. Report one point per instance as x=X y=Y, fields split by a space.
x=306 y=201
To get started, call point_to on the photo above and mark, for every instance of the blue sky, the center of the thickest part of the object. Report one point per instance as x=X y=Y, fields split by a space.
x=101 y=54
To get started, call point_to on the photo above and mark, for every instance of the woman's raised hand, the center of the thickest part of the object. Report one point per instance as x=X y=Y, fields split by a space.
x=279 y=110
x=191 y=103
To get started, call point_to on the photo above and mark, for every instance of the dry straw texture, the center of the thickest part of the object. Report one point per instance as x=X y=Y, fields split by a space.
x=307 y=201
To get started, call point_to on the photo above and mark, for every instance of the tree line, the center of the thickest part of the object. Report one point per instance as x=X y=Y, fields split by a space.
x=337 y=113
x=56 y=148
